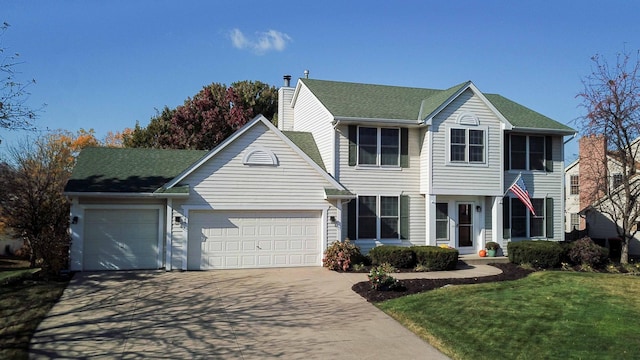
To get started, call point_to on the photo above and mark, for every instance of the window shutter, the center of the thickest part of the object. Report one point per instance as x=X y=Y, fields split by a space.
x=507 y=150
x=404 y=217
x=506 y=217
x=404 y=147
x=353 y=145
x=548 y=153
x=352 y=217
x=548 y=215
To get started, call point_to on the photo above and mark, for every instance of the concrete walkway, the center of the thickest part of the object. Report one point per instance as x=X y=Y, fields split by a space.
x=301 y=313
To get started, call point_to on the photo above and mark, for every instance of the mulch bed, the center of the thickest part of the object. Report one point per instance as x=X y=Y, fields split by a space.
x=413 y=286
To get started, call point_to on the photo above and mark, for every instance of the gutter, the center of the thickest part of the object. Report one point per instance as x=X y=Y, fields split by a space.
x=124 y=195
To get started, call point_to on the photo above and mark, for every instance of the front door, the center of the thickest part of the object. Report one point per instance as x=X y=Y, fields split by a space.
x=465 y=226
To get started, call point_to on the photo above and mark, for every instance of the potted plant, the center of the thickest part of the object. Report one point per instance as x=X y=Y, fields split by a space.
x=492 y=247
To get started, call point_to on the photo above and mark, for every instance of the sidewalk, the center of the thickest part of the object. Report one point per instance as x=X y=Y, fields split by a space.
x=468 y=271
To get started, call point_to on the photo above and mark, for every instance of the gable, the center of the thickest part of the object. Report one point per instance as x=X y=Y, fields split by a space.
x=128 y=170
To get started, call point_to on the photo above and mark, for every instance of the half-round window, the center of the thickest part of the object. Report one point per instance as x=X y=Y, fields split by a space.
x=260 y=156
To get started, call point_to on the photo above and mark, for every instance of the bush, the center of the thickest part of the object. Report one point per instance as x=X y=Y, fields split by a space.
x=585 y=252
x=540 y=254
x=492 y=245
x=434 y=258
x=397 y=256
x=380 y=279
x=341 y=255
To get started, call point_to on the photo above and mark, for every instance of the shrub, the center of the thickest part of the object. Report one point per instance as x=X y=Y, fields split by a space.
x=540 y=254
x=492 y=245
x=341 y=255
x=585 y=252
x=434 y=258
x=380 y=279
x=397 y=256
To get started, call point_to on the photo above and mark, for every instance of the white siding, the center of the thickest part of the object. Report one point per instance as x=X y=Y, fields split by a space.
x=311 y=116
x=386 y=181
x=457 y=179
x=285 y=111
x=572 y=202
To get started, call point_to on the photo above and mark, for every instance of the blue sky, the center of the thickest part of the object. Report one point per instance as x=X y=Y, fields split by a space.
x=107 y=64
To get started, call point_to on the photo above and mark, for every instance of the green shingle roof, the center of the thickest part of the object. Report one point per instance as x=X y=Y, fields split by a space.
x=128 y=170
x=353 y=100
x=306 y=143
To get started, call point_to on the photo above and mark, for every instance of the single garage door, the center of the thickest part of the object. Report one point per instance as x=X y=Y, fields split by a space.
x=256 y=239
x=120 y=239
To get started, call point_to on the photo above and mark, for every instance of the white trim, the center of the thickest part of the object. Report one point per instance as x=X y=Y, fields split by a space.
x=168 y=236
x=379 y=122
x=466 y=128
x=126 y=194
x=467 y=118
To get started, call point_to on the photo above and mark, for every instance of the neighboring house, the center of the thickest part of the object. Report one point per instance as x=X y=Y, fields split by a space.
x=579 y=185
x=377 y=164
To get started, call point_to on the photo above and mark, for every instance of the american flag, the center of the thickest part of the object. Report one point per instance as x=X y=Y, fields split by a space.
x=520 y=190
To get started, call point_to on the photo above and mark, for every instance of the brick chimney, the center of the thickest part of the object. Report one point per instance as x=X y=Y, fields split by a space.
x=593 y=174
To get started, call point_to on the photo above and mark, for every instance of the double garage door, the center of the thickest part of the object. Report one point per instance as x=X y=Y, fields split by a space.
x=121 y=239
x=253 y=239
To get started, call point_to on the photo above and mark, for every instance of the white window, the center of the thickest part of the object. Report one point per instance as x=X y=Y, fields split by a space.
x=467 y=146
x=442 y=221
x=617 y=180
x=378 y=146
x=574 y=185
x=378 y=217
x=575 y=222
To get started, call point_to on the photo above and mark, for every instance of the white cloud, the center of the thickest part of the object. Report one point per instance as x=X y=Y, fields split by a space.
x=263 y=42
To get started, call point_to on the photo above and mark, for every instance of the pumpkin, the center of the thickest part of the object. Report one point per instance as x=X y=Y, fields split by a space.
x=482 y=253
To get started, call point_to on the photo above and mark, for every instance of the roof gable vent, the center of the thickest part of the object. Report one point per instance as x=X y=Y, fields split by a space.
x=468 y=118
x=259 y=156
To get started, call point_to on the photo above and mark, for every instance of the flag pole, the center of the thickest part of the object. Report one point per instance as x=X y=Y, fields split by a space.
x=514 y=181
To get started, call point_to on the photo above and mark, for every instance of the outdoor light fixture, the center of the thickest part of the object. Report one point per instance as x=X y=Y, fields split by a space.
x=478 y=208
x=177 y=219
x=74 y=220
x=332 y=219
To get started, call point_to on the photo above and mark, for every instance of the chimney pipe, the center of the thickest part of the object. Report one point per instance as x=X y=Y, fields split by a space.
x=287 y=80
x=306 y=74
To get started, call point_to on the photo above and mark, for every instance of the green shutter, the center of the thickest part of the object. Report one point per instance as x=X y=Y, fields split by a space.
x=353 y=145
x=352 y=218
x=549 y=217
x=548 y=153
x=404 y=217
x=507 y=150
x=506 y=217
x=404 y=147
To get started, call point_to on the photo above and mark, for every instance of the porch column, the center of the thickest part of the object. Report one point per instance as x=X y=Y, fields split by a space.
x=496 y=220
x=429 y=220
x=76 y=229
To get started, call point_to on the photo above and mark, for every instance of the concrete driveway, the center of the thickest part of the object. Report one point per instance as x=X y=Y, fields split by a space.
x=301 y=313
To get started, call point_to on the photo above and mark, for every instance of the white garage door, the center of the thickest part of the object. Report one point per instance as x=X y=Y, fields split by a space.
x=120 y=239
x=241 y=239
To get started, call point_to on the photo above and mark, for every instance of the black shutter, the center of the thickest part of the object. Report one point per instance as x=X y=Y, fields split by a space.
x=507 y=151
x=352 y=218
x=548 y=153
x=549 y=217
x=353 y=145
x=404 y=147
x=506 y=217
x=404 y=217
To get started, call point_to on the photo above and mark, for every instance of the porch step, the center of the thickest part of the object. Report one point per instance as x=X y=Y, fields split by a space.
x=477 y=260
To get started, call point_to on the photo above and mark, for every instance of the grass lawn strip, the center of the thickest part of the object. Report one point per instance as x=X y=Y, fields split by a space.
x=546 y=315
x=23 y=305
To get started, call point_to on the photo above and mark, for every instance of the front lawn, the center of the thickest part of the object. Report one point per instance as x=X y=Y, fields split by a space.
x=548 y=315
x=23 y=305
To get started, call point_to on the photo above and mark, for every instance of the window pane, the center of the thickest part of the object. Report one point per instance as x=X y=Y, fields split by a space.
x=442 y=230
x=458 y=136
x=367 y=228
x=457 y=153
x=389 y=206
x=367 y=146
x=476 y=153
x=574 y=185
x=476 y=137
x=537 y=227
x=442 y=210
x=390 y=147
x=536 y=153
x=518 y=218
x=389 y=228
x=518 y=152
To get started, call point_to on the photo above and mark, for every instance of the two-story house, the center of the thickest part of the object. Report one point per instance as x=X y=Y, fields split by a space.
x=377 y=164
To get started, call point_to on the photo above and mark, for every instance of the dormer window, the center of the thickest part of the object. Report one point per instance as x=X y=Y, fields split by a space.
x=378 y=146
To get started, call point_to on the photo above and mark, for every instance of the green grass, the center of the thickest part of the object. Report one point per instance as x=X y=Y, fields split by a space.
x=548 y=315
x=23 y=305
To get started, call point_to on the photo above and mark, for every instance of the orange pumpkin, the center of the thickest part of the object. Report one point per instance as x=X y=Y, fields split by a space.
x=482 y=253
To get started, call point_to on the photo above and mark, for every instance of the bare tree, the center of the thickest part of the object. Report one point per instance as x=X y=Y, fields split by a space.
x=14 y=112
x=611 y=97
